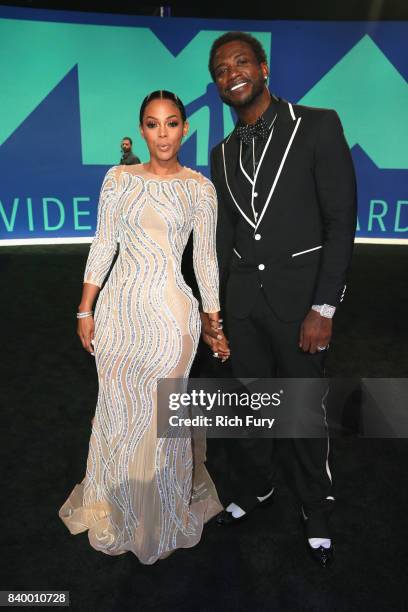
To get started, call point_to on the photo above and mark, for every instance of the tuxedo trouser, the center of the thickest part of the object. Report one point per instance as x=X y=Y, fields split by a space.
x=263 y=346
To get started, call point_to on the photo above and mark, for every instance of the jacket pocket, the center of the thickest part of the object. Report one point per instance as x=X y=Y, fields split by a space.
x=307 y=251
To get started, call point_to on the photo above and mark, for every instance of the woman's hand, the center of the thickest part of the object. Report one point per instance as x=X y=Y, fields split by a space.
x=209 y=329
x=85 y=326
x=223 y=349
x=219 y=348
x=214 y=336
x=85 y=331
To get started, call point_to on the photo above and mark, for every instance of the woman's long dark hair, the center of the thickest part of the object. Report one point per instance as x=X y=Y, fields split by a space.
x=162 y=94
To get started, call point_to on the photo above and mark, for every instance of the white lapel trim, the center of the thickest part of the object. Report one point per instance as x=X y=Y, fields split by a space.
x=271 y=127
x=279 y=170
x=291 y=111
x=257 y=172
x=259 y=165
x=263 y=154
x=251 y=223
x=242 y=167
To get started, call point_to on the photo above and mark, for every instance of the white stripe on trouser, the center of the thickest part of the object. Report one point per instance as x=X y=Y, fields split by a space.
x=324 y=397
x=327 y=431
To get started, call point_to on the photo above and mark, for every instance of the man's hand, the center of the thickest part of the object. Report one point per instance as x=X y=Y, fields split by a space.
x=214 y=337
x=209 y=329
x=315 y=332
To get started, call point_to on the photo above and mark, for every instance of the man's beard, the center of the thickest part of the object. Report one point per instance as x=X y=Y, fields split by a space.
x=256 y=92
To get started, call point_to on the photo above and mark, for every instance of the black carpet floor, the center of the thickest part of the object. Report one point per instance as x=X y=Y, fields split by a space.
x=48 y=396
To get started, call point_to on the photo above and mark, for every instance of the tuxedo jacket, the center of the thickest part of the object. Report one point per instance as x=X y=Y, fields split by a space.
x=298 y=242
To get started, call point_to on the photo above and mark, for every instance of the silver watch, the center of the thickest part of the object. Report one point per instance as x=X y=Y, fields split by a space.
x=325 y=310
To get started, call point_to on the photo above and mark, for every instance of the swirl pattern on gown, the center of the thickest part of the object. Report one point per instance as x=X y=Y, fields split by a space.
x=141 y=493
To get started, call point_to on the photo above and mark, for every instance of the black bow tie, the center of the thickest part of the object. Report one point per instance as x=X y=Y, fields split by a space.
x=259 y=129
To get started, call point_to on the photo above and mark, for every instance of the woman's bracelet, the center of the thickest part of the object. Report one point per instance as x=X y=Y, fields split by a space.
x=83 y=315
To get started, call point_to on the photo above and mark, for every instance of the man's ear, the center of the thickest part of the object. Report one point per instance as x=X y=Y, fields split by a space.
x=186 y=127
x=265 y=70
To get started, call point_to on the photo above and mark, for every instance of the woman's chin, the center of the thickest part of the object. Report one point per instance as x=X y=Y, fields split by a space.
x=166 y=157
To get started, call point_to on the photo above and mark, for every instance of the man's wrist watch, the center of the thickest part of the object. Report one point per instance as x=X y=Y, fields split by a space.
x=325 y=310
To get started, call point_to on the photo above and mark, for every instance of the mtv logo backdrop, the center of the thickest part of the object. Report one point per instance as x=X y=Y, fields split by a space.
x=71 y=86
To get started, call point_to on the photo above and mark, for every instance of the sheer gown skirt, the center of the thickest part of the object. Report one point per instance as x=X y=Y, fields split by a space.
x=141 y=493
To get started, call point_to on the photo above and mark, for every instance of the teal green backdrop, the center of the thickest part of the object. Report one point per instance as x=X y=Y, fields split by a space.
x=71 y=86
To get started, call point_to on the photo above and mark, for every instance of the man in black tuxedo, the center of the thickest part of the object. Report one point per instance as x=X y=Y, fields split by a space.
x=286 y=223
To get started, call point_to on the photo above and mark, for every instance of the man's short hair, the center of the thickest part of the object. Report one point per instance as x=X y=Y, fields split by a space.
x=253 y=42
x=127 y=138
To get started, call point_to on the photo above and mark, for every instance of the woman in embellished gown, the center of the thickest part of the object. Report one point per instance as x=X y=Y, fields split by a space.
x=141 y=493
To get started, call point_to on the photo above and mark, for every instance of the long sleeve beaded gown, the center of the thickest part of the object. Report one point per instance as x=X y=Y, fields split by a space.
x=141 y=493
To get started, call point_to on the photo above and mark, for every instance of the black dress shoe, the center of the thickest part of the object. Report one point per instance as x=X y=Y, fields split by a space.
x=323 y=556
x=225 y=518
x=266 y=502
